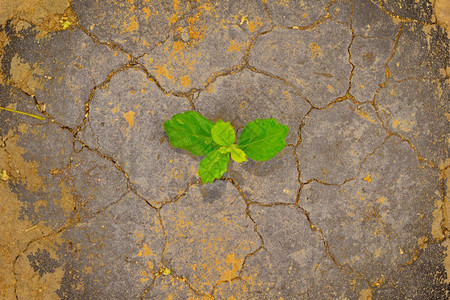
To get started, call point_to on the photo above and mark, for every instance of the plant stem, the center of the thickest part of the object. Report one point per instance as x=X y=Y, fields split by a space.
x=23 y=113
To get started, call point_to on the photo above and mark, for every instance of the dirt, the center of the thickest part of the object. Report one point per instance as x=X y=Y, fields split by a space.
x=46 y=15
x=442 y=9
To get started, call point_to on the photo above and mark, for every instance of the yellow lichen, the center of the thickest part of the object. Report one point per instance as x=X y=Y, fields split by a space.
x=129 y=116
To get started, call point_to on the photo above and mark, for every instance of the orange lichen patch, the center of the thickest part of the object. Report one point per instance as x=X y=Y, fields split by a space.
x=195 y=30
x=132 y=25
x=178 y=45
x=365 y=294
x=146 y=251
x=178 y=60
x=234 y=47
x=147 y=12
x=207 y=6
x=381 y=200
x=185 y=80
x=176 y=4
x=173 y=19
x=129 y=116
x=115 y=109
x=219 y=256
x=232 y=290
x=233 y=266
x=367 y=178
x=444 y=71
x=196 y=33
x=162 y=70
x=440 y=92
x=315 y=50
x=211 y=88
x=403 y=125
x=254 y=24
x=251 y=278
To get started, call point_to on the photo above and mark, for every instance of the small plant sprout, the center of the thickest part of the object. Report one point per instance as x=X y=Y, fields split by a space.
x=260 y=140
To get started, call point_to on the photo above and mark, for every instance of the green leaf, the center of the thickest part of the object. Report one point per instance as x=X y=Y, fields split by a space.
x=191 y=131
x=213 y=165
x=236 y=154
x=223 y=134
x=262 y=139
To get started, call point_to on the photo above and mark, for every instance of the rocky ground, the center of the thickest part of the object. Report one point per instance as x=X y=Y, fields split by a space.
x=96 y=204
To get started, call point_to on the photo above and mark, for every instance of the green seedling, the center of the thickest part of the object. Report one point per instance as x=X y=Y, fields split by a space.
x=260 y=140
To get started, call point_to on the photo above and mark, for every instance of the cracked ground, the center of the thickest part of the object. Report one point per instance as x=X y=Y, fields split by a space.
x=96 y=204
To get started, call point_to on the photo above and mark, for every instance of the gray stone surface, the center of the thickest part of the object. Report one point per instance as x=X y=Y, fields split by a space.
x=341 y=11
x=42 y=188
x=420 y=10
x=356 y=133
x=16 y=99
x=126 y=124
x=370 y=21
x=180 y=67
x=240 y=97
x=427 y=59
x=96 y=204
x=279 y=176
x=374 y=218
x=421 y=100
x=369 y=61
x=67 y=66
x=135 y=26
x=292 y=248
x=166 y=287
x=401 y=285
x=306 y=59
x=116 y=253
x=297 y=12
x=97 y=183
x=210 y=260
